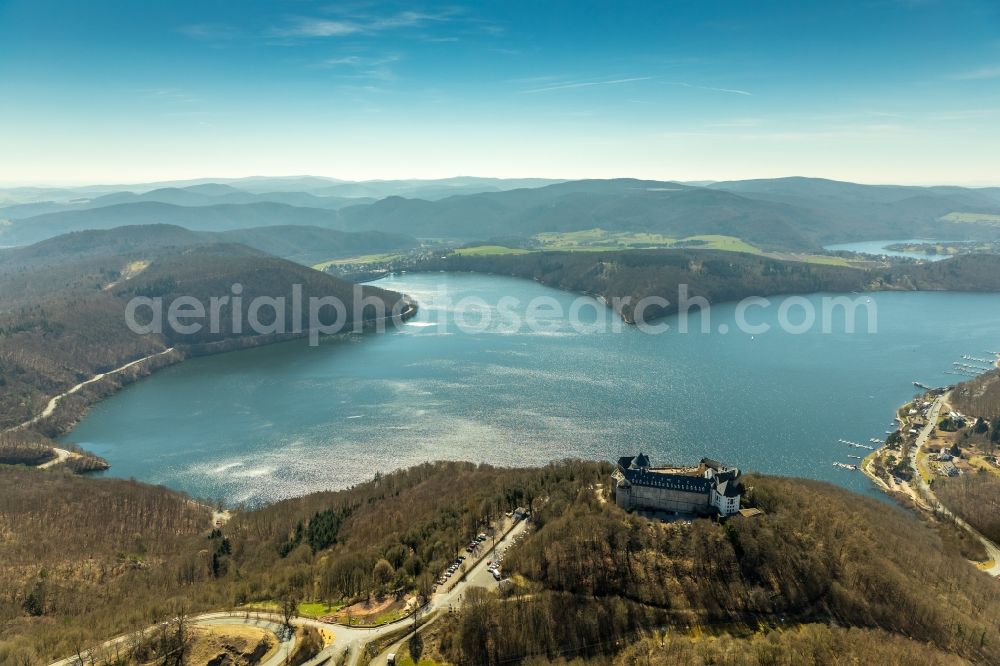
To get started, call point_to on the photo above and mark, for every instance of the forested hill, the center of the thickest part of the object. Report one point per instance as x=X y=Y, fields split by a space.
x=303 y=244
x=217 y=217
x=63 y=308
x=819 y=555
x=313 y=245
x=775 y=214
x=782 y=213
x=717 y=276
x=979 y=396
x=589 y=580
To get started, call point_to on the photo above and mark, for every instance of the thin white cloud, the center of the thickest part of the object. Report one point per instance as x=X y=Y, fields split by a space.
x=586 y=84
x=310 y=27
x=353 y=25
x=405 y=20
x=731 y=91
x=987 y=72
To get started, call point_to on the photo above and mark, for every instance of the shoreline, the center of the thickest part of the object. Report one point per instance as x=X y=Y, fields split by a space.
x=56 y=423
x=672 y=310
x=917 y=490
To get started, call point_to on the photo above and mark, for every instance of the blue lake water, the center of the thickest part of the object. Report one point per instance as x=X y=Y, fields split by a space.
x=284 y=420
x=878 y=248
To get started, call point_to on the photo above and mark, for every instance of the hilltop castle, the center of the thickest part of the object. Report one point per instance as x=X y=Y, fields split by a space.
x=710 y=487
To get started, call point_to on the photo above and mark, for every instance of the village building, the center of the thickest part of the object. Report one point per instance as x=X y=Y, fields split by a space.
x=707 y=489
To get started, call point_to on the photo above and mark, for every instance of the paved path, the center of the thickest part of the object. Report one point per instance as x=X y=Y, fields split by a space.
x=286 y=638
x=345 y=639
x=992 y=550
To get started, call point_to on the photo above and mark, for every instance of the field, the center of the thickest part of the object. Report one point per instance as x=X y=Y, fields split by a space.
x=599 y=240
x=363 y=259
x=482 y=250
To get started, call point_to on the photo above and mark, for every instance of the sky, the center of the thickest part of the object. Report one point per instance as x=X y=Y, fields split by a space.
x=902 y=91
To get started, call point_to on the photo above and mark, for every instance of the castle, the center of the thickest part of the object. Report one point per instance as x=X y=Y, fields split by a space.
x=711 y=487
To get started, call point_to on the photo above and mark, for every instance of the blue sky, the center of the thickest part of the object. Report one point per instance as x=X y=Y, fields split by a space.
x=879 y=91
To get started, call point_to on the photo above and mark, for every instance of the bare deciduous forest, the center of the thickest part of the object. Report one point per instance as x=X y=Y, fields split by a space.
x=64 y=309
x=85 y=559
x=820 y=554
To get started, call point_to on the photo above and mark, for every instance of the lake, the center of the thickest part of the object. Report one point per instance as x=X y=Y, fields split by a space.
x=878 y=248
x=284 y=420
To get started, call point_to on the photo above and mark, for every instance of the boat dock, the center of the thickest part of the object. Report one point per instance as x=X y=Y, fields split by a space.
x=856 y=445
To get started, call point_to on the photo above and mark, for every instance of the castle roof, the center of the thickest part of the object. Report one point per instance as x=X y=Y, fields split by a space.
x=725 y=480
x=730 y=488
x=652 y=479
x=640 y=461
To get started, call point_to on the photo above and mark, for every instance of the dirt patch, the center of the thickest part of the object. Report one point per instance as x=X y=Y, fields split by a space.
x=230 y=645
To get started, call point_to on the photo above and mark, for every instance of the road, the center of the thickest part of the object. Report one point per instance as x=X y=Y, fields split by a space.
x=62 y=455
x=345 y=639
x=933 y=414
x=276 y=627
x=478 y=576
x=50 y=408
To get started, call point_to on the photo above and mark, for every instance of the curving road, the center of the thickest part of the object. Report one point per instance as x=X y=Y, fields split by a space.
x=924 y=488
x=345 y=639
x=50 y=408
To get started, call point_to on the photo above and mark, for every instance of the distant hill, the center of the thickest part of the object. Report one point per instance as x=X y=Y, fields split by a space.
x=778 y=214
x=62 y=307
x=302 y=244
x=874 y=212
x=430 y=189
x=18 y=202
x=220 y=217
x=312 y=245
x=615 y=205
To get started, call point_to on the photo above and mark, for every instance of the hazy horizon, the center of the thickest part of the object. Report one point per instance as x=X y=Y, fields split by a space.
x=195 y=179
